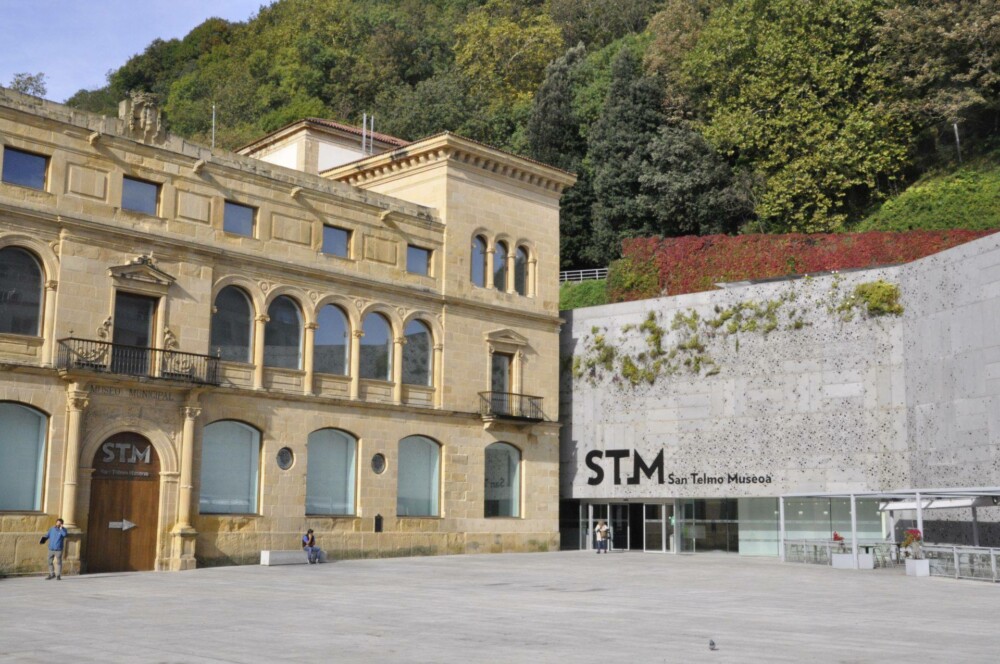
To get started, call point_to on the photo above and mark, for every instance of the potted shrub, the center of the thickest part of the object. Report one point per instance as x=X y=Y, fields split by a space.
x=916 y=564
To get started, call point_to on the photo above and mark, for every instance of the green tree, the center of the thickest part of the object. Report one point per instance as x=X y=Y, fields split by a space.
x=503 y=48
x=553 y=129
x=619 y=154
x=689 y=189
x=944 y=56
x=599 y=22
x=794 y=91
x=29 y=84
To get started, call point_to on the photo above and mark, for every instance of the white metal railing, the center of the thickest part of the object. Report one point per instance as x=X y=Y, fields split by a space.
x=820 y=552
x=583 y=275
x=963 y=562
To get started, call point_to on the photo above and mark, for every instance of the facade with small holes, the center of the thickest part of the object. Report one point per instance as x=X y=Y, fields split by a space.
x=270 y=350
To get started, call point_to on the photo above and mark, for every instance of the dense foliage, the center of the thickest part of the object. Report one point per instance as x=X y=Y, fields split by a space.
x=692 y=264
x=679 y=116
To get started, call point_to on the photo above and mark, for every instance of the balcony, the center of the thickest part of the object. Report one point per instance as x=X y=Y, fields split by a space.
x=508 y=406
x=147 y=363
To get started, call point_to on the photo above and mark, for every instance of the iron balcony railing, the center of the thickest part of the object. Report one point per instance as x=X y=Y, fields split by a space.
x=513 y=406
x=106 y=357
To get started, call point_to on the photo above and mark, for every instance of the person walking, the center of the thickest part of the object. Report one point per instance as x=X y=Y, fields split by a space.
x=309 y=546
x=602 y=537
x=56 y=538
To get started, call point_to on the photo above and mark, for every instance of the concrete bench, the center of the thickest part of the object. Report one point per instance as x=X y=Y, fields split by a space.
x=287 y=557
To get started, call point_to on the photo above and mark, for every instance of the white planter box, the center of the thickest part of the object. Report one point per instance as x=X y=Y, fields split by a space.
x=918 y=567
x=846 y=561
x=842 y=560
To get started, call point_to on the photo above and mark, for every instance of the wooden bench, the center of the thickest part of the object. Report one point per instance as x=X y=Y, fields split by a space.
x=298 y=557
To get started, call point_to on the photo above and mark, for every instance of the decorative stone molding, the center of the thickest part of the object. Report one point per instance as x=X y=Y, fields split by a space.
x=141 y=117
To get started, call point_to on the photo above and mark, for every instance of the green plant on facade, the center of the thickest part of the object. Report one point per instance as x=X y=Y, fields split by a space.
x=693 y=332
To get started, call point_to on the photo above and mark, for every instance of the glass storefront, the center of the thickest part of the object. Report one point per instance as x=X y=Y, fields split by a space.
x=748 y=526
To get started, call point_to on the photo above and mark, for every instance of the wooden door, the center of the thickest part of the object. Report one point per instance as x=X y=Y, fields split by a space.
x=124 y=505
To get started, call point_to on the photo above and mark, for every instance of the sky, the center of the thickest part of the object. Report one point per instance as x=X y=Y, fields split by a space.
x=76 y=42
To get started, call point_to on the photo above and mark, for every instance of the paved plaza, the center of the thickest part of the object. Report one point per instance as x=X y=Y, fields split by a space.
x=548 y=607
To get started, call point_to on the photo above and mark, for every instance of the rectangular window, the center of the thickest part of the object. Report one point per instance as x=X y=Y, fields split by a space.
x=140 y=196
x=336 y=241
x=24 y=168
x=238 y=219
x=418 y=260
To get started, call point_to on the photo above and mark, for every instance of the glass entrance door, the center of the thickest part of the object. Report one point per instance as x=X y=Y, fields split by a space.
x=619 y=528
x=658 y=522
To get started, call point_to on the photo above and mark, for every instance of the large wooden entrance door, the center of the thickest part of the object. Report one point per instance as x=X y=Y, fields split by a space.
x=124 y=505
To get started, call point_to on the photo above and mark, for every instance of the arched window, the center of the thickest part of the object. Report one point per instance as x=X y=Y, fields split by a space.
x=232 y=325
x=332 y=345
x=417 y=354
x=503 y=480
x=500 y=267
x=330 y=474
x=419 y=477
x=521 y=271
x=283 y=334
x=22 y=454
x=479 y=261
x=376 y=348
x=20 y=292
x=230 y=468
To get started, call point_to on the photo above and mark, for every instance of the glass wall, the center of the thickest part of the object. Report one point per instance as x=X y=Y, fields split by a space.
x=419 y=477
x=758 y=526
x=330 y=472
x=230 y=468
x=22 y=454
x=503 y=481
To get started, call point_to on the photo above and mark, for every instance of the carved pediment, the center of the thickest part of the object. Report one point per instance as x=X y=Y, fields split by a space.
x=142 y=274
x=506 y=337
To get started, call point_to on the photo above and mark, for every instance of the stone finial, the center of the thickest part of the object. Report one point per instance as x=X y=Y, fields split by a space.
x=141 y=116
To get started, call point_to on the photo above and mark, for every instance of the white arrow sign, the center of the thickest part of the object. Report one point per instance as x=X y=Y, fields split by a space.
x=124 y=524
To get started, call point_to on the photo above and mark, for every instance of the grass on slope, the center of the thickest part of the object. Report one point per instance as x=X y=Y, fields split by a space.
x=968 y=197
x=575 y=295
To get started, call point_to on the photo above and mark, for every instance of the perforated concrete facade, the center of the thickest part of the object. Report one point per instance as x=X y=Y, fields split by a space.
x=818 y=404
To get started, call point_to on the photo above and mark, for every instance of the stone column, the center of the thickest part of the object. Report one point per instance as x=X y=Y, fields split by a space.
x=310 y=342
x=489 y=266
x=509 y=286
x=191 y=413
x=529 y=287
x=182 y=555
x=356 y=363
x=49 y=324
x=438 y=375
x=76 y=400
x=258 y=350
x=397 y=369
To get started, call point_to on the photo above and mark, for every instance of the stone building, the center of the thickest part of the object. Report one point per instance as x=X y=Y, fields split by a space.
x=203 y=353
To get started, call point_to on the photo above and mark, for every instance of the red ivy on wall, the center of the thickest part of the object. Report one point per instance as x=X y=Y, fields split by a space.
x=696 y=263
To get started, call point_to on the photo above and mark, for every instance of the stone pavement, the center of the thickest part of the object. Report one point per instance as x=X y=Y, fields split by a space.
x=568 y=607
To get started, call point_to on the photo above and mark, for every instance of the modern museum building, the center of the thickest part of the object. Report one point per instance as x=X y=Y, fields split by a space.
x=733 y=419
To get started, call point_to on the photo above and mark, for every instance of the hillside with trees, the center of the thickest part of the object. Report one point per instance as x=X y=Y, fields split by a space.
x=680 y=117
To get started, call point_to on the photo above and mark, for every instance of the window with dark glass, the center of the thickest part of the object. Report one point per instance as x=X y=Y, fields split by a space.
x=20 y=292
x=376 y=348
x=230 y=468
x=521 y=271
x=417 y=354
x=418 y=483
x=22 y=455
x=500 y=267
x=330 y=472
x=503 y=480
x=140 y=196
x=232 y=325
x=283 y=334
x=332 y=342
x=24 y=168
x=238 y=219
x=336 y=241
x=418 y=260
x=478 y=275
